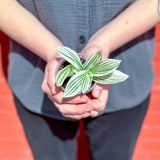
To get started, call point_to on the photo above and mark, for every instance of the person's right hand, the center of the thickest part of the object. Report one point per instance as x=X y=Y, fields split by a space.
x=76 y=107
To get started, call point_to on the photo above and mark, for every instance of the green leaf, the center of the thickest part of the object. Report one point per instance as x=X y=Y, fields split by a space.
x=63 y=74
x=115 y=77
x=71 y=56
x=87 y=82
x=74 y=85
x=92 y=60
x=105 y=67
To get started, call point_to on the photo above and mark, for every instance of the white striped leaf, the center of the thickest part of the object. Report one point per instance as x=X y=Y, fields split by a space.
x=115 y=77
x=63 y=74
x=71 y=56
x=87 y=82
x=105 y=67
x=92 y=60
x=74 y=85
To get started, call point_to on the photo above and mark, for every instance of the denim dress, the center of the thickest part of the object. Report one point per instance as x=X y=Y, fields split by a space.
x=74 y=22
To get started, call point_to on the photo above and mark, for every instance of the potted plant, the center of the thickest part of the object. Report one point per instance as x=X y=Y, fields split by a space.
x=82 y=76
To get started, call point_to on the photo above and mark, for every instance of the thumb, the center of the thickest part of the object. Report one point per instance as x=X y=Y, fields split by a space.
x=90 y=50
x=96 y=92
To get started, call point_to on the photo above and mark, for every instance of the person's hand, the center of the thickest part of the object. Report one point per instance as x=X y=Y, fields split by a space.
x=99 y=94
x=76 y=107
x=99 y=97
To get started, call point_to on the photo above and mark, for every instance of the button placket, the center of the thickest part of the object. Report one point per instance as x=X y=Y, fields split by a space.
x=83 y=22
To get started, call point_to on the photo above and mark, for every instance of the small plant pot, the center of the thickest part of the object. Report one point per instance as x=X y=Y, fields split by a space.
x=62 y=63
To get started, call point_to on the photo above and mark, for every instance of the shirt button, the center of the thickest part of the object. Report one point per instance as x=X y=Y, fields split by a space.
x=82 y=39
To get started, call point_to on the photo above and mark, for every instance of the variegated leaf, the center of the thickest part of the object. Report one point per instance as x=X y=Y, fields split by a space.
x=105 y=67
x=63 y=74
x=115 y=77
x=87 y=82
x=74 y=85
x=92 y=60
x=71 y=56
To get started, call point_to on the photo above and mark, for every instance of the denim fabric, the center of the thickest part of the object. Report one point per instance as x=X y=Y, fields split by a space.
x=74 y=22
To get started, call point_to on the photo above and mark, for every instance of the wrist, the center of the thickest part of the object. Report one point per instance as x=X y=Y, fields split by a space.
x=95 y=45
x=100 y=41
x=51 y=51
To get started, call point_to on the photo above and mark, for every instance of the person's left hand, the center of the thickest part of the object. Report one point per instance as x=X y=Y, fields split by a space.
x=99 y=94
x=99 y=97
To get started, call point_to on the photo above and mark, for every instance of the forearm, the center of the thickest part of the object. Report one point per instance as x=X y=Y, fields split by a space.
x=140 y=17
x=24 y=28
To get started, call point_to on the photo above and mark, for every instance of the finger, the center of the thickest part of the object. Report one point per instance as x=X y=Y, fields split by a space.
x=100 y=103
x=97 y=90
x=44 y=85
x=94 y=113
x=51 y=77
x=76 y=99
x=58 y=98
x=78 y=117
x=75 y=109
x=90 y=50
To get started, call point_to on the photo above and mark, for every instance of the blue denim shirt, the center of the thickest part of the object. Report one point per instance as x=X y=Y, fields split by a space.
x=74 y=22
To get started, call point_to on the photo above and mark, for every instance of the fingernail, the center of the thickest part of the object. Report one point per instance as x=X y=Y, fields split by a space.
x=97 y=93
x=94 y=114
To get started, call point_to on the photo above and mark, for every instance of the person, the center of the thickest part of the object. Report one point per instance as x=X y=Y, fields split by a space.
x=112 y=115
